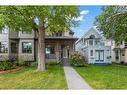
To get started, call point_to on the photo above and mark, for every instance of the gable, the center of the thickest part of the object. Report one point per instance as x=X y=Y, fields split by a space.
x=92 y=32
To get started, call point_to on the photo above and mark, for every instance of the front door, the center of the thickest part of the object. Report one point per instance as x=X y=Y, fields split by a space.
x=65 y=53
x=117 y=55
x=99 y=55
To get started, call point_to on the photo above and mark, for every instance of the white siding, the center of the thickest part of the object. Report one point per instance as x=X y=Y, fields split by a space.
x=85 y=48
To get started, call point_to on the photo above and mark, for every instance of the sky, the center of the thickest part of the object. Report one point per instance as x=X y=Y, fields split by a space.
x=86 y=18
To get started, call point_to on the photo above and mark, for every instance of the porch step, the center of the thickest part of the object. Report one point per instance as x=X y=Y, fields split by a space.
x=66 y=62
x=102 y=64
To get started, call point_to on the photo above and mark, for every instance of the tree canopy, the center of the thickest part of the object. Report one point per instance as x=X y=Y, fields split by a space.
x=54 y=18
x=113 y=22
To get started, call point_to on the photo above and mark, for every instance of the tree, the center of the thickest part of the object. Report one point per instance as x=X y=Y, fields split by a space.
x=113 y=22
x=41 y=19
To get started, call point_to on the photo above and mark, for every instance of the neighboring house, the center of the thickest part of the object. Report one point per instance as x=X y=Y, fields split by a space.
x=119 y=52
x=94 y=47
x=23 y=46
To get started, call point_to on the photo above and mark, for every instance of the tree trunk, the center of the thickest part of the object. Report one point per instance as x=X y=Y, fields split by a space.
x=41 y=49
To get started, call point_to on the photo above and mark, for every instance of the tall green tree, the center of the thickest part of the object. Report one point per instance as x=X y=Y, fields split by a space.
x=41 y=19
x=113 y=22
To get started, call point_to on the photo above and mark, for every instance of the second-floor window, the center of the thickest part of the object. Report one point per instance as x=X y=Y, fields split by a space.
x=91 y=52
x=96 y=42
x=84 y=42
x=26 y=47
x=3 y=47
x=91 y=42
x=92 y=37
x=57 y=34
x=102 y=43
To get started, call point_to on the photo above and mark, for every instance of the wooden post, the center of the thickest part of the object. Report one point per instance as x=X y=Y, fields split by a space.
x=57 y=51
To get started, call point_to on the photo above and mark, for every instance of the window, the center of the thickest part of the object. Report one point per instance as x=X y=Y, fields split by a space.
x=92 y=37
x=122 y=52
x=117 y=55
x=26 y=47
x=91 y=53
x=3 y=47
x=96 y=42
x=14 y=47
x=91 y=42
x=57 y=34
x=84 y=42
x=102 y=43
x=50 y=50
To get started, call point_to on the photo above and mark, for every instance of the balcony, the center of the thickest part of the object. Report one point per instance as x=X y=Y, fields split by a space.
x=26 y=35
x=13 y=34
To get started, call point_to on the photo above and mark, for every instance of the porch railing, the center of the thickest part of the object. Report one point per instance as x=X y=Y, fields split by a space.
x=50 y=56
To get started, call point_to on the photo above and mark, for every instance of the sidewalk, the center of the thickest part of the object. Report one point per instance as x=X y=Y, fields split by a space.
x=74 y=80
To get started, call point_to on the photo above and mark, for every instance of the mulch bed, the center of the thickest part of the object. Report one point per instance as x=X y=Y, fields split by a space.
x=11 y=71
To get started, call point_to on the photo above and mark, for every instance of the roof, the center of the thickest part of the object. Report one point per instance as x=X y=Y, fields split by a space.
x=91 y=30
x=61 y=38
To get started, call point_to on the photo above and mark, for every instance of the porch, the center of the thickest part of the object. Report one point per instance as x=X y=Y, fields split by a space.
x=120 y=55
x=100 y=55
x=59 y=48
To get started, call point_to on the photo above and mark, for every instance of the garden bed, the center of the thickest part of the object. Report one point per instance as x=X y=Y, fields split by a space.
x=11 y=71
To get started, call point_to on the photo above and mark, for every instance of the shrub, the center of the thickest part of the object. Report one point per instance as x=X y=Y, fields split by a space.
x=24 y=63
x=6 y=65
x=77 y=60
x=35 y=64
x=20 y=62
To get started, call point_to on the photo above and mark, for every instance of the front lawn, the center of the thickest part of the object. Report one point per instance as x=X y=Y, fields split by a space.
x=104 y=77
x=28 y=78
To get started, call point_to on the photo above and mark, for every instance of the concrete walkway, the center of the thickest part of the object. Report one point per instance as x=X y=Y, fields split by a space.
x=74 y=80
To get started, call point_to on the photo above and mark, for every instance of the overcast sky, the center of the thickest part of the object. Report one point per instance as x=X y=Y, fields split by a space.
x=87 y=18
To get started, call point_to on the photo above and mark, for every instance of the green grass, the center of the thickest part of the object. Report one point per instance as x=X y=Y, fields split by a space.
x=28 y=78
x=104 y=77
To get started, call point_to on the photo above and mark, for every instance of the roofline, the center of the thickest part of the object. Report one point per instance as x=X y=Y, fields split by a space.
x=93 y=27
x=60 y=38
